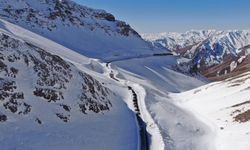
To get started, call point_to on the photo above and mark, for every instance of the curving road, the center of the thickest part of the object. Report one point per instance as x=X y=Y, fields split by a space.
x=144 y=139
x=144 y=145
x=142 y=125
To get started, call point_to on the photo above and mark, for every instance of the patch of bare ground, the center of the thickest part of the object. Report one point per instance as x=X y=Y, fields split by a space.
x=243 y=117
x=184 y=51
x=218 y=72
x=240 y=115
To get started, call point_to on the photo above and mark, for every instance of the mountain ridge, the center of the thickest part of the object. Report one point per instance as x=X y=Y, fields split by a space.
x=79 y=25
x=72 y=77
x=207 y=49
x=51 y=97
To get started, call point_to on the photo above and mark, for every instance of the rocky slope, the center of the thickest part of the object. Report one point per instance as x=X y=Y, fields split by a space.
x=94 y=33
x=51 y=81
x=216 y=54
x=54 y=98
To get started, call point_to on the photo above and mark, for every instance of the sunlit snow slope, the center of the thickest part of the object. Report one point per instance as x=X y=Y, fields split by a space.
x=54 y=95
x=153 y=79
x=93 y=33
x=225 y=107
x=51 y=99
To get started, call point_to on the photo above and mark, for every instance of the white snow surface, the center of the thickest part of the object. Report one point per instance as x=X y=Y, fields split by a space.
x=207 y=46
x=93 y=33
x=113 y=129
x=154 y=77
x=231 y=40
x=202 y=118
x=217 y=104
x=172 y=40
x=177 y=119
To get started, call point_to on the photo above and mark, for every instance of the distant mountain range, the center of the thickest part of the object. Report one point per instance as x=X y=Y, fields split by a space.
x=215 y=54
x=73 y=77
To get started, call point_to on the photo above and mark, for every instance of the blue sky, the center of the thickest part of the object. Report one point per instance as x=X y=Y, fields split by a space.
x=152 y=16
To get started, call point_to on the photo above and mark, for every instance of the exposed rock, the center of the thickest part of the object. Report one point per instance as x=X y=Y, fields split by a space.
x=66 y=107
x=63 y=117
x=243 y=117
x=47 y=77
x=3 y=118
x=50 y=95
x=68 y=12
x=38 y=121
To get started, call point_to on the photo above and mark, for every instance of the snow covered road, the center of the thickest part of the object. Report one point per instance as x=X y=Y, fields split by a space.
x=149 y=134
x=169 y=126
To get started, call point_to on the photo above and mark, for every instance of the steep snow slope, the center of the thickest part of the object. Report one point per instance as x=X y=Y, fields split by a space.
x=93 y=33
x=158 y=72
x=212 y=117
x=169 y=126
x=216 y=54
x=48 y=102
x=63 y=85
x=224 y=106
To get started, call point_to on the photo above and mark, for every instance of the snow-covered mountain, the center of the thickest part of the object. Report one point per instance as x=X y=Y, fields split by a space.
x=63 y=123
x=208 y=49
x=57 y=91
x=51 y=80
x=50 y=97
x=93 y=33
x=177 y=41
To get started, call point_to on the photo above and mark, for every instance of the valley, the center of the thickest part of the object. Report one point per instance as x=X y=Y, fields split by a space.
x=73 y=77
